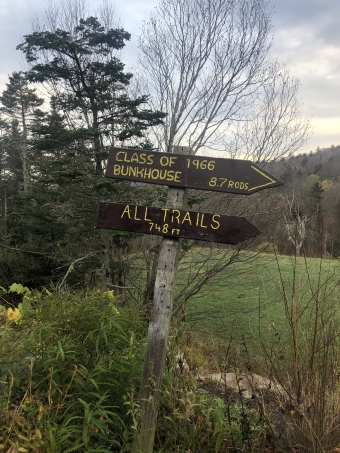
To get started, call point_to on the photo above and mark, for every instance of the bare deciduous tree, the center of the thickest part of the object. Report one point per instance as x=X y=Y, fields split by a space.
x=207 y=66
x=66 y=14
x=295 y=223
x=275 y=127
x=202 y=57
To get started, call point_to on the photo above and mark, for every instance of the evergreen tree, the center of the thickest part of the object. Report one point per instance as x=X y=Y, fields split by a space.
x=19 y=103
x=316 y=196
x=92 y=83
x=13 y=164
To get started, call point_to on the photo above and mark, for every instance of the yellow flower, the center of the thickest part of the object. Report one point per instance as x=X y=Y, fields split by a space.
x=14 y=315
x=108 y=294
x=114 y=309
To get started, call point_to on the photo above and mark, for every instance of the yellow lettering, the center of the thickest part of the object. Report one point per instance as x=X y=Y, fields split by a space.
x=132 y=170
x=140 y=172
x=146 y=213
x=126 y=211
x=175 y=217
x=215 y=221
x=164 y=160
x=147 y=173
x=116 y=170
x=187 y=218
x=119 y=160
x=135 y=216
x=155 y=174
x=122 y=171
x=142 y=158
x=197 y=218
x=134 y=158
x=231 y=184
x=162 y=174
x=202 y=220
x=177 y=175
x=196 y=162
x=246 y=185
x=165 y=213
x=170 y=175
x=172 y=160
x=150 y=159
x=237 y=185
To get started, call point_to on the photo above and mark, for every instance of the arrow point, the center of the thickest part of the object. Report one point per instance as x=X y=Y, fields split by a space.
x=265 y=175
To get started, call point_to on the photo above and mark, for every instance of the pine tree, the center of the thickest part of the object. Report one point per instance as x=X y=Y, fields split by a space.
x=316 y=196
x=19 y=103
x=92 y=83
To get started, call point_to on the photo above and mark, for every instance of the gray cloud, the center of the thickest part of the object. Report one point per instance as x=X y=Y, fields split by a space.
x=321 y=16
x=306 y=38
x=16 y=21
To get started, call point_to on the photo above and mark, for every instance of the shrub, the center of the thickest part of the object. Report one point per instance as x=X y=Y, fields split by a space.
x=71 y=364
x=266 y=247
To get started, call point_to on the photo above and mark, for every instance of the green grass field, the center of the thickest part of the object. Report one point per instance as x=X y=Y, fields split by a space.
x=248 y=295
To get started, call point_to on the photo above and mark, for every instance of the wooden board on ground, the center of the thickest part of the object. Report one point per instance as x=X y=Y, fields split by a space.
x=196 y=172
x=175 y=223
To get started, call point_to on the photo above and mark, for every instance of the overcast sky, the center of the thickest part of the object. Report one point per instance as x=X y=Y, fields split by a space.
x=306 y=38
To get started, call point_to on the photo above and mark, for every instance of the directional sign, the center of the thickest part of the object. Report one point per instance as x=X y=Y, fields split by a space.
x=175 y=223
x=196 y=172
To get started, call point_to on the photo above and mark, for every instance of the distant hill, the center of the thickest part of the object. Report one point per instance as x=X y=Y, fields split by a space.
x=323 y=162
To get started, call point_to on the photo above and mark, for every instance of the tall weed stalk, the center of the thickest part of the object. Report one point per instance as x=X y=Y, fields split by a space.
x=305 y=359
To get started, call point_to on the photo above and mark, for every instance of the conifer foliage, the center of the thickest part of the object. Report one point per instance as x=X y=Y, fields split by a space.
x=90 y=81
x=54 y=150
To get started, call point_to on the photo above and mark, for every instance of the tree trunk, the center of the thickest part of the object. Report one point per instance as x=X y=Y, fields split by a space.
x=96 y=141
x=24 y=157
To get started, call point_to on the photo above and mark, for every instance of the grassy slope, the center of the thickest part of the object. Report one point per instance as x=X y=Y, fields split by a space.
x=245 y=296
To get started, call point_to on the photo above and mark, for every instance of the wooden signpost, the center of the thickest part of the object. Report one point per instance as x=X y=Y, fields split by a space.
x=242 y=177
x=179 y=171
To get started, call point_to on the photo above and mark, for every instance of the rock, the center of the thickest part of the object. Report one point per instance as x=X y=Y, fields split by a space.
x=248 y=385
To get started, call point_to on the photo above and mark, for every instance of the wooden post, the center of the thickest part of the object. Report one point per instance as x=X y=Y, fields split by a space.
x=159 y=327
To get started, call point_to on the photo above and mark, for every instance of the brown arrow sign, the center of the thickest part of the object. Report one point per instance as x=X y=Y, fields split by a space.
x=196 y=172
x=175 y=223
